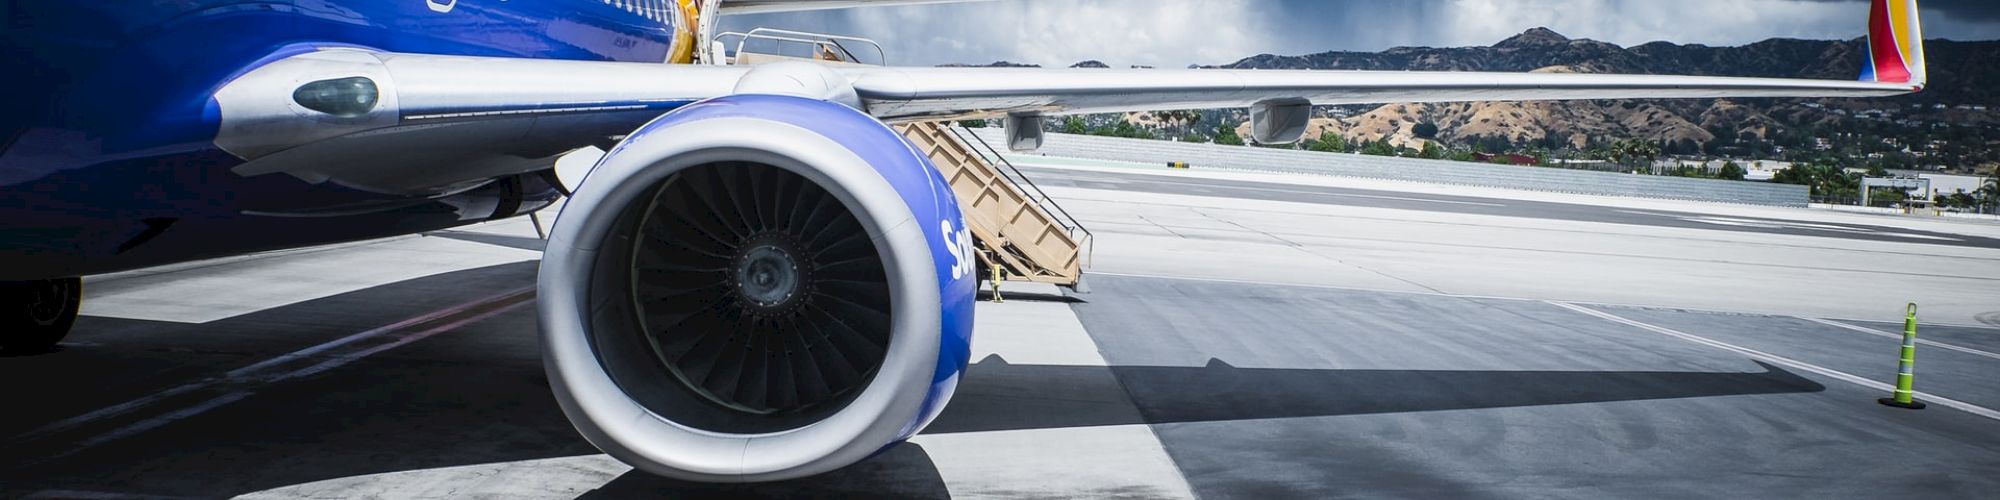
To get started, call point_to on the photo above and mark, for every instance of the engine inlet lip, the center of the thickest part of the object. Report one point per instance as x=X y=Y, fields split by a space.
x=601 y=403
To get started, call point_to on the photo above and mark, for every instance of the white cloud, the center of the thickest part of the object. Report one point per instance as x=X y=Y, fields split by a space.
x=1175 y=33
x=1713 y=22
x=1060 y=33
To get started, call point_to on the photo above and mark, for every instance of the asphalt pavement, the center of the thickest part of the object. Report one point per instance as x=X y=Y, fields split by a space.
x=1241 y=339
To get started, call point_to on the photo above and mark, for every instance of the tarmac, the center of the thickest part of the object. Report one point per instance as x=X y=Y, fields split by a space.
x=1244 y=336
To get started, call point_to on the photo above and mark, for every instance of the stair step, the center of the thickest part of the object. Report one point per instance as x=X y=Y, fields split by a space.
x=1015 y=232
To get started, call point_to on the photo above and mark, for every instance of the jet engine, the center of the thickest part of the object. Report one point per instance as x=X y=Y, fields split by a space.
x=756 y=288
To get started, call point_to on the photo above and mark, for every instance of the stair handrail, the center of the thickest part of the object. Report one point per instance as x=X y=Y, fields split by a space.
x=1041 y=198
x=808 y=38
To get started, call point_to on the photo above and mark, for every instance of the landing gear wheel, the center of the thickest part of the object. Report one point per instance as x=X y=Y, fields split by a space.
x=34 y=315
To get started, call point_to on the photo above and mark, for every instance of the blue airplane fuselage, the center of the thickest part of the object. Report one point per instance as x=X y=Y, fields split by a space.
x=108 y=158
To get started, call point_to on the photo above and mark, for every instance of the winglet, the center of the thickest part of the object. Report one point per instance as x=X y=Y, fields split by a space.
x=1895 y=44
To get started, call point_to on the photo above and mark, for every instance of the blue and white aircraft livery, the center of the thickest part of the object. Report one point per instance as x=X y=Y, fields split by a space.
x=759 y=280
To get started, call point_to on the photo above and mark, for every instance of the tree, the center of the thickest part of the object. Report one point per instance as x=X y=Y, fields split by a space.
x=1431 y=151
x=1887 y=196
x=1328 y=142
x=1123 y=129
x=1824 y=180
x=1960 y=199
x=1630 y=151
x=1180 y=116
x=1075 y=125
x=1730 y=171
x=972 y=123
x=1425 y=130
x=1378 y=148
x=1490 y=144
x=1227 y=136
x=1990 y=191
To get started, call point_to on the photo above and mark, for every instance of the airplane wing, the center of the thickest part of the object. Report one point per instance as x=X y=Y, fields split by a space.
x=557 y=105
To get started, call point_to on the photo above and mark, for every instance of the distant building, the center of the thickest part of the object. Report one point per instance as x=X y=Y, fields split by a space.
x=1511 y=158
x=1591 y=164
x=1944 y=183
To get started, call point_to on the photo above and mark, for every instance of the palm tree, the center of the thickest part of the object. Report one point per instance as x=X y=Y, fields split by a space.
x=1648 y=150
x=1989 y=191
x=1627 y=151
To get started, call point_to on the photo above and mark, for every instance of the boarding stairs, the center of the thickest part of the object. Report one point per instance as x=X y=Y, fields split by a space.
x=1019 y=233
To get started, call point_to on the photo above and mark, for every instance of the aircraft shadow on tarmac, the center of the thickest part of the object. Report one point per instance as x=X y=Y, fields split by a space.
x=996 y=395
x=393 y=415
x=985 y=295
x=516 y=242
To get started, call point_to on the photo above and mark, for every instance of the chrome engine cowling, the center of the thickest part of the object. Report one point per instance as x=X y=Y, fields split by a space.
x=754 y=288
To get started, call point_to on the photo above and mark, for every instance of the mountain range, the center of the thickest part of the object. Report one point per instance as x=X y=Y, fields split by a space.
x=1963 y=79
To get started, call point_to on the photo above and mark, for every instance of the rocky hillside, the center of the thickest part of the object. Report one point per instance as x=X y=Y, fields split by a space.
x=1962 y=73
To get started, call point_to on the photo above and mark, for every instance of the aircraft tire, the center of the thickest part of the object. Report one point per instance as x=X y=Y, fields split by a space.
x=35 y=315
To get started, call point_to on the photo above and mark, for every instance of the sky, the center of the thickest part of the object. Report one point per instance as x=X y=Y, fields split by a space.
x=1177 y=33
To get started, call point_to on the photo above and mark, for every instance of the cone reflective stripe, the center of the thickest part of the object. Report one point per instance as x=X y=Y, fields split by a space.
x=1906 y=365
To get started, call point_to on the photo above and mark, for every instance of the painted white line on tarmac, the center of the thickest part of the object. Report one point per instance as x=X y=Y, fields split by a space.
x=151 y=423
x=1473 y=296
x=252 y=372
x=1898 y=336
x=94 y=495
x=1776 y=359
x=343 y=359
x=1077 y=462
x=1356 y=195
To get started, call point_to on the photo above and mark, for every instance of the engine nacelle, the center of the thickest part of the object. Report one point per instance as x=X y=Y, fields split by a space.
x=756 y=288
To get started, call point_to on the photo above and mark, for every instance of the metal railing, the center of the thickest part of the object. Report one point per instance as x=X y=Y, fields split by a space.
x=1077 y=232
x=831 y=43
x=1207 y=156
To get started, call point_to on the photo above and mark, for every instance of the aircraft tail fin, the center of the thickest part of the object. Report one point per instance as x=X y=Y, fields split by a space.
x=1895 y=44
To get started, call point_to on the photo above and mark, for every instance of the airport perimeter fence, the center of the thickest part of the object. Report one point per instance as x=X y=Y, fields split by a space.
x=1413 y=169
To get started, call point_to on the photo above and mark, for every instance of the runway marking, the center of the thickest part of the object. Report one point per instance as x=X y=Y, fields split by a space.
x=1472 y=296
x=253 y=374
x=1776 y=359
x=94 y=495
x=1778 y=224
x=1322 y=193
x=992 y=464
x=150 y=424
x=1898 y=336
x=214 y=292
